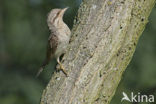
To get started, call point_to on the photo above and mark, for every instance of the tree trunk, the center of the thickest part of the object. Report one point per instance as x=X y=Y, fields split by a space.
x=103 y=41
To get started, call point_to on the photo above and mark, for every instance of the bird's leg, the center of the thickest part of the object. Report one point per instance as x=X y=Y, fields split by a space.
x=61 y=67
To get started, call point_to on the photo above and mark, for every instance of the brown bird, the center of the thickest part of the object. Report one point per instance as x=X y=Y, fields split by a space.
x=58 y=39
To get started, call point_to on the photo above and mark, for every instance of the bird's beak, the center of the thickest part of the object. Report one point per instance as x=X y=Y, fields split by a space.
x=63 y=11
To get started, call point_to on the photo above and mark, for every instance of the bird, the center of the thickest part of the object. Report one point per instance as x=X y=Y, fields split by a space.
x=58 y=39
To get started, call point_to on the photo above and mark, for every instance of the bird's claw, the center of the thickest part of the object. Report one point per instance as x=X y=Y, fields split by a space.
x=60 y=67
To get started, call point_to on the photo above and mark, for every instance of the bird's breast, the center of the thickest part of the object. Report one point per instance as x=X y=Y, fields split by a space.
x=63 y=41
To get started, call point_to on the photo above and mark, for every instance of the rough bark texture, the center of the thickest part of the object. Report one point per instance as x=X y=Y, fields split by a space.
x=103 y=41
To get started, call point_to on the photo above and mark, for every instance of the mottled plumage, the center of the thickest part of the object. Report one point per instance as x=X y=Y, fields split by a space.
x=58 y=39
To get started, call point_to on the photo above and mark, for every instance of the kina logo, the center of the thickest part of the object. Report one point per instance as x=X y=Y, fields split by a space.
x=137 y=97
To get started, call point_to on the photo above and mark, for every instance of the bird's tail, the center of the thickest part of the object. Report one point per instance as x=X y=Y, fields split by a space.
x=42 y=67
x=39 y=71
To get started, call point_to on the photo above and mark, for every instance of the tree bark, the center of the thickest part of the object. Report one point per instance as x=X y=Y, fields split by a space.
x=104 y=38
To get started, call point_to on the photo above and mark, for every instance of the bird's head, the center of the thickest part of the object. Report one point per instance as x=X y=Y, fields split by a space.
x=55 y=16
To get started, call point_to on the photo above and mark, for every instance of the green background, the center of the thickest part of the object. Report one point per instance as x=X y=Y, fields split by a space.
x=23 y=40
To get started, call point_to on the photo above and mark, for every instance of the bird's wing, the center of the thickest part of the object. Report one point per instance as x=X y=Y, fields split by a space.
x=52 y=43
x=51 y=48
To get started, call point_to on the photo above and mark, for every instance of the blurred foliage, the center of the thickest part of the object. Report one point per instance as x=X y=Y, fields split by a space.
x=23 y=39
